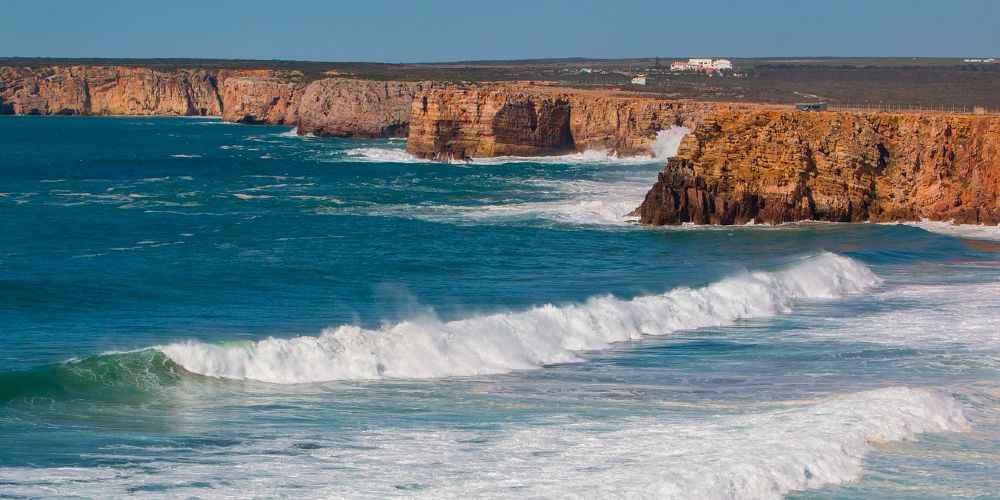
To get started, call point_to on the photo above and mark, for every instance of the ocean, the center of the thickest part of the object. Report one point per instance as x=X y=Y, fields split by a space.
x=191 y=308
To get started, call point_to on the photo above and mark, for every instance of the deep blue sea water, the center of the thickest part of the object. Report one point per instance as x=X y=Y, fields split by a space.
x=190 y=308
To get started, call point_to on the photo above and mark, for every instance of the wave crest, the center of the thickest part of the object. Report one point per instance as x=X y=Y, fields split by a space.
x=502 y=342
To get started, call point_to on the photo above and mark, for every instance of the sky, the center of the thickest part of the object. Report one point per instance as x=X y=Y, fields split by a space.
x=446 y=30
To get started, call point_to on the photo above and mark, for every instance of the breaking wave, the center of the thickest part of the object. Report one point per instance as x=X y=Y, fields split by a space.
x=503 y=342
x=604 y=203
x=665 y=146
x=123 y=376
x=762 y=455
x=607 y=202
x=376 y=154
x=972 y=231
x=755 y=456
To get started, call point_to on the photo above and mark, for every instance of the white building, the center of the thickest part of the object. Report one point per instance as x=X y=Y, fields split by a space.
x=721 y=64
x=705 y=65
x=639 y=80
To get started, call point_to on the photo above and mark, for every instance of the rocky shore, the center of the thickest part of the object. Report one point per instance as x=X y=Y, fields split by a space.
x=341 y=107
x=741 y=163
x=771 y=166
x=514 y=119
x=99 y=90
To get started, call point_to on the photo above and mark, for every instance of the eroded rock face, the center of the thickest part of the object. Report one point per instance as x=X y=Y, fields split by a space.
x=344 y=107
x=453 y=122
x=98 y=90
x=261 y=96
x=782 y=166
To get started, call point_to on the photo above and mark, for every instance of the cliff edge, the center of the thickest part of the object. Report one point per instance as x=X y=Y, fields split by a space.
x=459 y=122
x=772 y=166
x=344 y=107
x=113 y=90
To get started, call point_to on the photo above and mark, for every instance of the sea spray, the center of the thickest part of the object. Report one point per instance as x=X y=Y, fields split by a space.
x=503 y=342
x=607 y=202
x=664 y=147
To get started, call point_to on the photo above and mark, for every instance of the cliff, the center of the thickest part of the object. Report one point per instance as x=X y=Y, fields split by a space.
x=337 y=106
x=262 y=96
x=779 y=166
x=450 y=122
x=96 y=90
x=343 y=107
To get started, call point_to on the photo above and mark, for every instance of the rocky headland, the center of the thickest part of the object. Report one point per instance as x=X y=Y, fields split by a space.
x=774 y=166
x=740 y=163
x=459 y=122
x=335 y=106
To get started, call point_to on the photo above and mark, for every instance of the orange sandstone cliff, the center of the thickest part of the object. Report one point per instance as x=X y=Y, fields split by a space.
x=344 y=107
x=99 y=90
x=453 y=122
x=336 y=106
x=781 y=166
x=261 y=96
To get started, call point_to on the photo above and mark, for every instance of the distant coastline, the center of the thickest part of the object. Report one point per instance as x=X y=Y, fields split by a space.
x=889 y=171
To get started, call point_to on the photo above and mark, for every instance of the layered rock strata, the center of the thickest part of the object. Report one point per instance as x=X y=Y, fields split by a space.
x=774 y=166
x=93 y=90
x=337 y=106
x=343 y=107
x=261 y=96
x=450 y=122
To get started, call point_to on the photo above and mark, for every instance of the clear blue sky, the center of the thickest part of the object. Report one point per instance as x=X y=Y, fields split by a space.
x=446 y=30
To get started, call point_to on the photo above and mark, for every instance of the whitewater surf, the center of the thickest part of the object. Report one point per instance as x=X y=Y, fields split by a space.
x=218 y=312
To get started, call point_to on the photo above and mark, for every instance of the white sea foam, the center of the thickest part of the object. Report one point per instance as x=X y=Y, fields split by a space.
x=381 y=155
x=581 y=201
x=584 y=202
x=970 y=311
x=665 y=146
x=185 y=156
x=757 y=456
x=502 y=342
x=603 y=203
x=973 y=231
x=247 y=197
x=751 y=456
x=293 y=134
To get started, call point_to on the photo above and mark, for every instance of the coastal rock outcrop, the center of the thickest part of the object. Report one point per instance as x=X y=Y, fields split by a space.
x=344 y=107
x=262 y=96
x=336 y=106
x=773 y=166
x=99 y=90
x=455 y=122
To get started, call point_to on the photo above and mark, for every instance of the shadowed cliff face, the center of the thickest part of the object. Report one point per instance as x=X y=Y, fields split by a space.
x=783 y=166
x=498 y=120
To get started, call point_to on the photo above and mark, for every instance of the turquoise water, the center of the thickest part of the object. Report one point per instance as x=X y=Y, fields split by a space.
x=197 y=309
